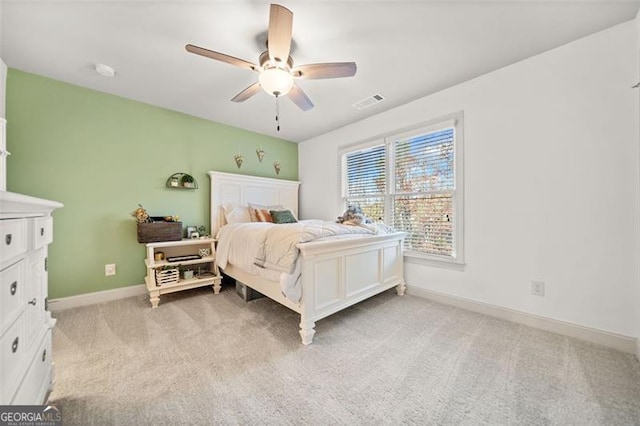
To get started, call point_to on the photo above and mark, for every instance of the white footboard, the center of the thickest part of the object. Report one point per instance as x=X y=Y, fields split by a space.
x=338 y=274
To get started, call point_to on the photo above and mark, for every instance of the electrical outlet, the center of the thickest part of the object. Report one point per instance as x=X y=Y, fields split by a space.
x=537 y=288
x=110 y=269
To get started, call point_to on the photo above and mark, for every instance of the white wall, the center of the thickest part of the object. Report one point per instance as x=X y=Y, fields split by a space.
x=3 y=70
x=1 y=26
x=552 y=182
x=638 y=95
x=3 y=87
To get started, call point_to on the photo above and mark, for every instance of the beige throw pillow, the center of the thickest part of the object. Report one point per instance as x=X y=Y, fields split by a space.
x=234 y=213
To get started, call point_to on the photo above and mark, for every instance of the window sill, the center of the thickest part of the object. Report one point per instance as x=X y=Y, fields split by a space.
x=438 y=262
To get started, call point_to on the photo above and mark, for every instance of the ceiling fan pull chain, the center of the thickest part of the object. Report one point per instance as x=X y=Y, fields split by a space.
x=277 y=112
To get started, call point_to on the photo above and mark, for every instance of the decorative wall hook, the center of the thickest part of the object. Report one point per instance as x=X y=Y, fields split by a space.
x=635 y=86
x=260 y=154
x=239 y=159
x=276 y=166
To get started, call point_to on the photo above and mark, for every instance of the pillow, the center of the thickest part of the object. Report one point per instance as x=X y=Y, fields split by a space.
x=284 y=216
x=221 y=220
x=254 y=207
x=234 y=213
x=263 y=215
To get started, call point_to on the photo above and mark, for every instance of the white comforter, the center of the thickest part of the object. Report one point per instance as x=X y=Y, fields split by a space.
x=271 y=250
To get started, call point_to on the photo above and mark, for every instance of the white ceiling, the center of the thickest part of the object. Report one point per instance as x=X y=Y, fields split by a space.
x=404 y=49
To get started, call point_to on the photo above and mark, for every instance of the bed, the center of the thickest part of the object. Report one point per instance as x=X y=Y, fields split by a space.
x=334 y=274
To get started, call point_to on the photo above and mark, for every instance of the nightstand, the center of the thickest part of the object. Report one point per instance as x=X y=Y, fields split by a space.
x=166 y=262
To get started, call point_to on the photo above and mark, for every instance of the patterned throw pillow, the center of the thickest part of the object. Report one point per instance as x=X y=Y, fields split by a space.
x=284 y=216
x=254 y=207
x=263 y=215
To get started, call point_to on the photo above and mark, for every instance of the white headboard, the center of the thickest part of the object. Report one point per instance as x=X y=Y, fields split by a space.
x=243 y=189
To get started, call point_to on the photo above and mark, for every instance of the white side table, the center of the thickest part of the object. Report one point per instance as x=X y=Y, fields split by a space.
x=204 y=268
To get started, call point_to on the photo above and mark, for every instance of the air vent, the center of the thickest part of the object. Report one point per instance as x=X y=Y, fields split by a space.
x=368 y=101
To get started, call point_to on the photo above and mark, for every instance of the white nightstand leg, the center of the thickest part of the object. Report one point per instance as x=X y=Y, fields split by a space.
x=154 y=298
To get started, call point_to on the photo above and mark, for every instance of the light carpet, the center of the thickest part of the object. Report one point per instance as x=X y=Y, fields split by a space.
x=202 y=359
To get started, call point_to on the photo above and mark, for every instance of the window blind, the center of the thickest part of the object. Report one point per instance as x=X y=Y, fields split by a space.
x=425 y=163
x=366 y=172
x=424 y=190
x=366 y=180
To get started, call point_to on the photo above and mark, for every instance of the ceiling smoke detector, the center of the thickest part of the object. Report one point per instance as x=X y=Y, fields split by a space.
x=368 y=101
x=105 y=70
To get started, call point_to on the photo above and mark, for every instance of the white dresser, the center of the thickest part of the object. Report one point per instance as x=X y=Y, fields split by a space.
x=26 y=368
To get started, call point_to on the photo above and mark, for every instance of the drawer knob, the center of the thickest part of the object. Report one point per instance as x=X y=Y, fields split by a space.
x=14 y=345
x=7 y=239
x=14 y=288
x=44 y=355
x=33 y=302
x=42 y=232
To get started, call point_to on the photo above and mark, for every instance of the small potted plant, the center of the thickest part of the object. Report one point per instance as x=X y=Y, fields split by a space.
x=187 y=274
x=188 y=181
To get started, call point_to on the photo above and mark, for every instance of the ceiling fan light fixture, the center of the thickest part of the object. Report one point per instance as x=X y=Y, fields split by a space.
x=276 y=81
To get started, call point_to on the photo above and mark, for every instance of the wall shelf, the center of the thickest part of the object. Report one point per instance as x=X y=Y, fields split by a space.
x=182 y=180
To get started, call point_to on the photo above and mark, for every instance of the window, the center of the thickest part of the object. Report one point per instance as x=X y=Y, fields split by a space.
x=367 y=180
x=412 y=181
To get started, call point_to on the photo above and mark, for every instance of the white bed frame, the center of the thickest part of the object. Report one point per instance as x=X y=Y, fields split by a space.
x=335 y=274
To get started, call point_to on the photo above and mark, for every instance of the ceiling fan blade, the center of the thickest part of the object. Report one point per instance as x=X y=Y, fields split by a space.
x=300 y=98
x=221 y=57
x=279 y=37
x=327 y=70
x=247 y=93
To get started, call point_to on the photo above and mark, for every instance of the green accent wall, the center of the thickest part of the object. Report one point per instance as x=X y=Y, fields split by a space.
x=100 y=155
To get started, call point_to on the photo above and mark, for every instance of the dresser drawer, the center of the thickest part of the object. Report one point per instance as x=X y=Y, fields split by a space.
x=37 y=381
x=12 y=360
x=42 y=232
x=35 y=295
x=13 y=238
x=12 y=294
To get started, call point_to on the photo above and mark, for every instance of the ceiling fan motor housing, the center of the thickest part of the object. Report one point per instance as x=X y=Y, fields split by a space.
x=265 y=62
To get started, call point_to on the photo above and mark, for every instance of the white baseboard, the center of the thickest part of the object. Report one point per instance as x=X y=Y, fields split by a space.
x=616 y=341
x=63 y=303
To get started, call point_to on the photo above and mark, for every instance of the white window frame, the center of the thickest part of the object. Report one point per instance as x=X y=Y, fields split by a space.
x=456 y=121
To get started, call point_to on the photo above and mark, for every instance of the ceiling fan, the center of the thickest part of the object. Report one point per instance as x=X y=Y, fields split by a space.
x=276 y=66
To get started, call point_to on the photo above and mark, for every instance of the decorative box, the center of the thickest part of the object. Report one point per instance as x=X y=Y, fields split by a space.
x=167 y=276
x=159 y=230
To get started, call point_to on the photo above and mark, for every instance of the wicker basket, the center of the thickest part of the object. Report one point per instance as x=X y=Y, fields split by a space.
x=167 y=276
